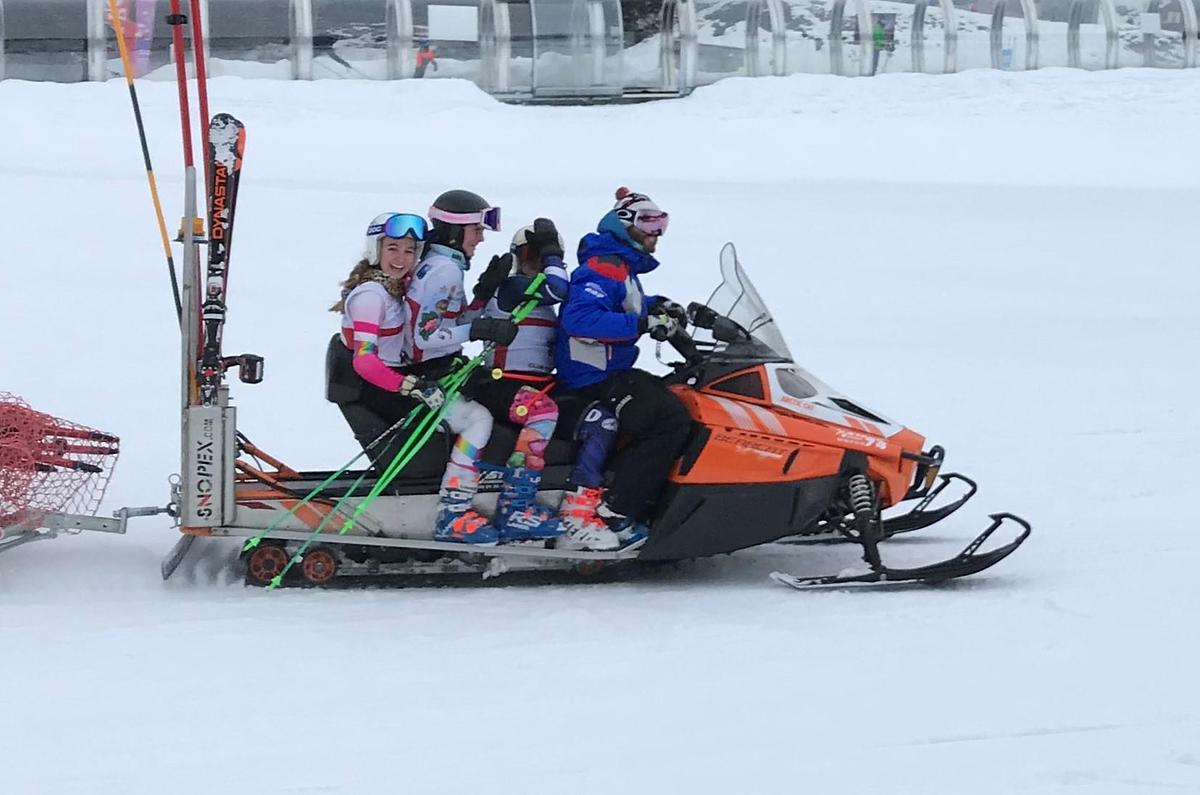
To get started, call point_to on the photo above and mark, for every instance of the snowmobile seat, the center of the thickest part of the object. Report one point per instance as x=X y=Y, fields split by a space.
x=423 y=474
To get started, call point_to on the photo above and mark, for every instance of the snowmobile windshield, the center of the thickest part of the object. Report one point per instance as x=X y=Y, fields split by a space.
x=737 y=300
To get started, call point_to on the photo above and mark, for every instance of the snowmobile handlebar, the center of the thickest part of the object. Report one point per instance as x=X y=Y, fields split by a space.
x=723 y=329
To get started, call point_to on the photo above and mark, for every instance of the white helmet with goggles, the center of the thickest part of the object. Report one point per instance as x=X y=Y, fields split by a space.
x=395 y=225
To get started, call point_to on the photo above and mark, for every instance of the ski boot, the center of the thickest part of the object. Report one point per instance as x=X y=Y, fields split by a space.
x=582 y=529
x=628 y=531
x=519 y=516
x=457 y=521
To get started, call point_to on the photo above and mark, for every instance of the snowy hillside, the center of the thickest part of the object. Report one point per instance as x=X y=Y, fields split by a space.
x=1004 y=262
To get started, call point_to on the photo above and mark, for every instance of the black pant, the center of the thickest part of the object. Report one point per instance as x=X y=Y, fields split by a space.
x=655 y=421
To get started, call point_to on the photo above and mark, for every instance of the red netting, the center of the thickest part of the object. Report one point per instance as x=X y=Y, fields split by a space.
x=48 y=464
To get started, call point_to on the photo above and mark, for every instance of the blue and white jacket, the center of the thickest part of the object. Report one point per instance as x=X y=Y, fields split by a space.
x=598 y=325
x=532 y=350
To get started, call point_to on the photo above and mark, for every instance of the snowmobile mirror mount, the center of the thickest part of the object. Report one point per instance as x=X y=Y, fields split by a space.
x=701 y=316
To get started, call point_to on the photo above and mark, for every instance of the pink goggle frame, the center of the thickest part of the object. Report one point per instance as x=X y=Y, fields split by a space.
x=651 y=222
x=489 y=217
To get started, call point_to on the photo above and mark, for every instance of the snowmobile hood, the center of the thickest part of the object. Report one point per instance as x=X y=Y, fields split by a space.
x=611 y=237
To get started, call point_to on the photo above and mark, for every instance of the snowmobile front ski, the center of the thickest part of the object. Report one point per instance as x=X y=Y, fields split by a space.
x=969 y=561
x=227 y=142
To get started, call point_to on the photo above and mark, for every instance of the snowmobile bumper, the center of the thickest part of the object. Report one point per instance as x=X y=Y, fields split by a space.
x=922 y=515
x=969 y=561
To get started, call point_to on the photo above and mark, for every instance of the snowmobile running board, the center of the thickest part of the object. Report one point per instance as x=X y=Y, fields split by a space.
x=532 y=550
x=526 y=549
x=963 y=564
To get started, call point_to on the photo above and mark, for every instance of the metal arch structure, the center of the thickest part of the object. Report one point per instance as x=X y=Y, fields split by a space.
x=1108 y=12
x=774 y=8
x=836 y=49
x=495 y=45
x=300 y=38
x=1030 y=15
x=97 y=41
x=597 y=47
x=1190 y=33
x=678 y=74
x=3 y=33
x=400 y=60
x=950 y=36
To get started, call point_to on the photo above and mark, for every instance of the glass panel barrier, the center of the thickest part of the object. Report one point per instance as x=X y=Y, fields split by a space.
x=447 y=34
x=974 y=33
x=46 y=40
x=1013 y=43
x=1053 y=27
x=933 y=41
x=577 y=47
x=721 y=39
x=350 y=40
x=250 y=38
x=766 y=38
x=148 y=38
x=1092 y=41
x=1150 y=33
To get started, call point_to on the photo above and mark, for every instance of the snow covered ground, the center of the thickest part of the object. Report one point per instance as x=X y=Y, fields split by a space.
x=1004 y=262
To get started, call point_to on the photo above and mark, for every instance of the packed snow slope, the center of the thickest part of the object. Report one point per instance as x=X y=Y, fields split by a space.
x=1005 y=263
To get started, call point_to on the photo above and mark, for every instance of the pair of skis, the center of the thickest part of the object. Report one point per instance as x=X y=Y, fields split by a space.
x=226 y=146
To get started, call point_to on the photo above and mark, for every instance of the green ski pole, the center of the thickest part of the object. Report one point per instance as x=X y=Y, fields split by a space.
x=452 y=384
x=254 y=541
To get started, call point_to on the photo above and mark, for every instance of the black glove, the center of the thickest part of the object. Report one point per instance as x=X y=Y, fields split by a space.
x=428 y=392
x=660 y=326
x=545 y=238
x=499 y=330
x=665 y=306
x=491 y=278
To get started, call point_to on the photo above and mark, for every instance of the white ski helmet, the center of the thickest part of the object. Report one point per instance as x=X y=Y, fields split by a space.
x=521 y=238
x=395 y=225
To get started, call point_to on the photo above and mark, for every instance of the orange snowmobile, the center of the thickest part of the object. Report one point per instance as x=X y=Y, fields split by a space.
x=775 y=456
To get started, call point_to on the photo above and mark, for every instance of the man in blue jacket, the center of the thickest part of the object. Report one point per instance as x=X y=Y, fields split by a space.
x=599 y=325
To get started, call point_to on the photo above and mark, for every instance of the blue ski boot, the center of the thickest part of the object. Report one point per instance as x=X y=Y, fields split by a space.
x=457 y=521
x=519 y=516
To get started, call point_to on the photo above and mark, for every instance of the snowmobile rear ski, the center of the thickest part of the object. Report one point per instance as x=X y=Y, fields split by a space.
x=969 y=561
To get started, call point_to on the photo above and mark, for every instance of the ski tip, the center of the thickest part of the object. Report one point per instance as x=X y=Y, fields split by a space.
x=276 y=581
x=251 y=544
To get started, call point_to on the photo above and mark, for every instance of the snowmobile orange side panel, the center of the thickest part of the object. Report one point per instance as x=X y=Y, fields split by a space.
x=754 y=443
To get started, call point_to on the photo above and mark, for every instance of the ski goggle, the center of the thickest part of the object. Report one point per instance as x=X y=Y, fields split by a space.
x=401 y=225
x=651 y=222
x=489 y=217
